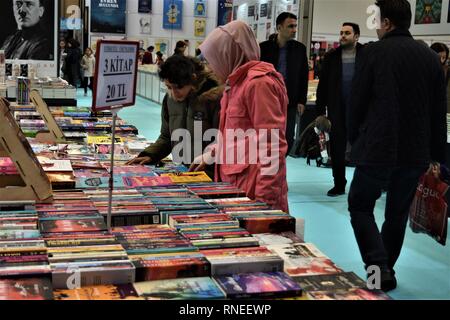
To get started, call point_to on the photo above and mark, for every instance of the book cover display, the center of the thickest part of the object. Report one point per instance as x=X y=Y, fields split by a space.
x=108 y=16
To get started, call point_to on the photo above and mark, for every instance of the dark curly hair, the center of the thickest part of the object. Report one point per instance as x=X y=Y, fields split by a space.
x=180 y=70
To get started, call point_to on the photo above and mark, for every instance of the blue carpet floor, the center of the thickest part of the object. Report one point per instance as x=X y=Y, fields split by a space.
x=423 y=269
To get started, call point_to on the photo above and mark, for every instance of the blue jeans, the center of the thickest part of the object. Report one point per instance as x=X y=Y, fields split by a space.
x=382 y=248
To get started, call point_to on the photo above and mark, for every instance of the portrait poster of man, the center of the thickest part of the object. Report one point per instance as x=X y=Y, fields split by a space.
x=28 y=29
x=108 y=16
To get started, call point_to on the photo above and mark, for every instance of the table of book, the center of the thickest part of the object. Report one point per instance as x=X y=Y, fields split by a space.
x=174 y=235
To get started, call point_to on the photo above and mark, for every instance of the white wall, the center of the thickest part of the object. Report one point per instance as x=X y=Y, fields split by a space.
x=330 y=14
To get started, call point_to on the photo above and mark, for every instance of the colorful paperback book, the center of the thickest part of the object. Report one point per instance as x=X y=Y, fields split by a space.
x=188 y=177
x=72 y=225
x=350 y=294
x=200 y=288
x=105 y=292
x=137 y=182
x=98 y=182
x=331 y=282
x=301 y=259
x=26 y=289
x=258 y=285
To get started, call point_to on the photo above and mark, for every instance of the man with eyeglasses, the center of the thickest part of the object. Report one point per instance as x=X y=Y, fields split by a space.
x=30 y=41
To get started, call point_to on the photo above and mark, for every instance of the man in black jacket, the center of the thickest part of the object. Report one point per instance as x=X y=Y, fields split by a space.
x=397 y=125
x=333 y=94
x=289 y=57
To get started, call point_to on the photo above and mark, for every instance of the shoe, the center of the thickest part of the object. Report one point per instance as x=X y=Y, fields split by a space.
x=388 y=281
x=336 y=192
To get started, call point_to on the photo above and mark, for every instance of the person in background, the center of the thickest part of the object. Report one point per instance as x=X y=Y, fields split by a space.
x=148 y=56
x=141 y=55
x=333 y=96
x=62 y=58
x=193 y=98
x=159 y=58
x=88 y=65
x=180 y=48
x=73 y=66
x=397 y=125
x=289 y=57
x=255 y=99
x=442 y=50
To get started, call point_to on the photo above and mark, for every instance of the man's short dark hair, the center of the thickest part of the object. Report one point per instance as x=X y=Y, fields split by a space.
x=180 y=70
x=150 y=48
x=355 y=27
x=397 y=11
x=283 y=16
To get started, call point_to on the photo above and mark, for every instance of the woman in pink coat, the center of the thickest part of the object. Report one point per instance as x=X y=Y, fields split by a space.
x=254 y=102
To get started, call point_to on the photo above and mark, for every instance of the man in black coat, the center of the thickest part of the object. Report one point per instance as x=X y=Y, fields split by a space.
x=289 y=57
x=397 y=125
x=333 y=94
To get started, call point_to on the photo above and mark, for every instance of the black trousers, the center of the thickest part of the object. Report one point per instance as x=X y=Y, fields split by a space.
x=290 y=126
x=338 y=146
x=87 y=80
x=382 y=248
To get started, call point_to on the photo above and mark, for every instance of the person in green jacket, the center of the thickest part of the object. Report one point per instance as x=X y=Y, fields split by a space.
x=193 y=97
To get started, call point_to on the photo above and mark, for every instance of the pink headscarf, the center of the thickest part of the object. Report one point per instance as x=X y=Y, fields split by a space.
x=230 y=46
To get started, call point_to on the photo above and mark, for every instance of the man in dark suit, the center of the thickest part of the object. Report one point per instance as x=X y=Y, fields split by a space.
x=288 y=56
x=333 y=94
x=397 y=126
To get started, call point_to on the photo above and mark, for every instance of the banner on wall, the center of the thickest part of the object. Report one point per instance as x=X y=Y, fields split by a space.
x=199 y=27
x=39 y=48
x=225 y=12
x=71 y=19
x=173 y=14
x=145 y=24
x=200 y=8
x=145 y=6
x=162 y=45
x=108 y=16
x=428 y=11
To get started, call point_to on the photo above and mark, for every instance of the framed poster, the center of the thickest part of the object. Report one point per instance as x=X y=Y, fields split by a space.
x=225 y=12
x=162 y=45
x=108 y=16
x=173 y=14
x=42 y=28
x=428 y=11
x=115 y=74
x=199 y=27
x=145 y=6
x=145 y=24
x=200 y=8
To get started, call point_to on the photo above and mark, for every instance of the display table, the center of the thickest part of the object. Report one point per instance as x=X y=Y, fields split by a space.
x=53 y=96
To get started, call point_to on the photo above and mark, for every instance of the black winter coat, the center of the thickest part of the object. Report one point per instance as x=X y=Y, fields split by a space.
x=398 y=106
x=329 y=91
x=297 y=67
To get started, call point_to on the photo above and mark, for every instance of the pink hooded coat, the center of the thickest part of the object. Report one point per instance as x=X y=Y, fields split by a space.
x=255 y=98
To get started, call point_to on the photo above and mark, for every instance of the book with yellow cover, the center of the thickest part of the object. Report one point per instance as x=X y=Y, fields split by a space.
x=188 y=177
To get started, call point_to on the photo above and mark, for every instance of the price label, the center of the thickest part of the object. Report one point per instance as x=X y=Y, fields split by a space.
x=115 y=76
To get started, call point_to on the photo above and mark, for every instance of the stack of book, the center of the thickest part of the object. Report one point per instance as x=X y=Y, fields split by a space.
x=22 y=251
x=159 y=252
x=255 y=216
x=87 y=258
x=243 y=260
x=215 y=190
x=129 y=207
